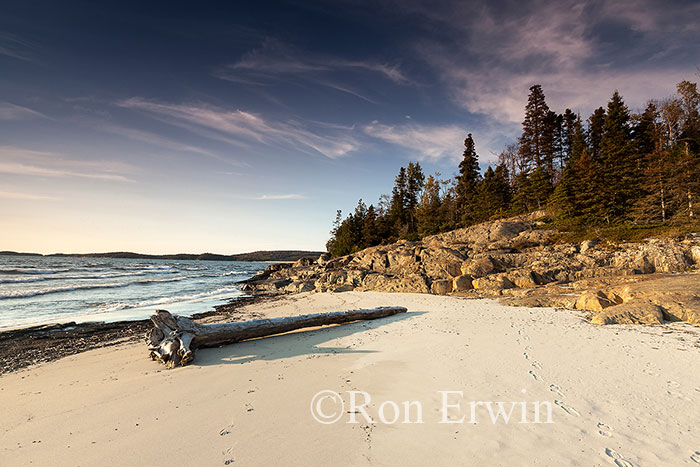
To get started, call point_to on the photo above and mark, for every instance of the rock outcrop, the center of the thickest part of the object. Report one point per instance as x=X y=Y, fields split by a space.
x=520 y=262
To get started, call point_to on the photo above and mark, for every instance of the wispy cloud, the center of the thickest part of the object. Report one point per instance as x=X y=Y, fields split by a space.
x=24 y=162
x=161 y=141
x=26 y=196
x=421 y=141
x=244 y=128
x=276 y=60
x=16 y=47
x=15 y=112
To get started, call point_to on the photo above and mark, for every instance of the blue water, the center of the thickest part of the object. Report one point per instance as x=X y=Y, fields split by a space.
x=37 y=290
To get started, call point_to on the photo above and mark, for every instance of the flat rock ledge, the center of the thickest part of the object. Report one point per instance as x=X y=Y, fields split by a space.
x=522 y=264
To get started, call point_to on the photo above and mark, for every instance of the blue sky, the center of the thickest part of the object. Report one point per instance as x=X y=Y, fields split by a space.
x=168 y=127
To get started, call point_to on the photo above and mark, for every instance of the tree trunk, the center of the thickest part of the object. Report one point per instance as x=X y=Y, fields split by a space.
x=174 y=338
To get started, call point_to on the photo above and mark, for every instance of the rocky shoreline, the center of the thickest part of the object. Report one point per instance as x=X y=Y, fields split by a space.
x=521 y=263
x=514 y=260
x=20 y=348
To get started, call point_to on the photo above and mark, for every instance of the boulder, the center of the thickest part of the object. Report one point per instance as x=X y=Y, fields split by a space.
x=323 y=259
x=593 y=301
x=303 y=262
x=462 y=283
x=441 y=287
x=478 y=267
x=523 y=278
x=494 y=282
x=378 y=282
x=632 y=312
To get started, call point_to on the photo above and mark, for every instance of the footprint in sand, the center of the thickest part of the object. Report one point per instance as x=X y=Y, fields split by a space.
x=537 y=364
x=556 y=389
x=228 y=456
x=533 y=374
x=566 y=408
x=604 y=430
x=617 y=458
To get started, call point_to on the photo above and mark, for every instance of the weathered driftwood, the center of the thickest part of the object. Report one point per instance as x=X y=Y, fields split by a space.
x=173 y=339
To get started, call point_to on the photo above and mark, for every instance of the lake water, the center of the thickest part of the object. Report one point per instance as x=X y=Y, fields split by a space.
x=37 y=290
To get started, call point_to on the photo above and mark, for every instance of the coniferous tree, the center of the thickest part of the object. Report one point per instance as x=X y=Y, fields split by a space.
x=617 y=183
x=688 y=169
x=429 y=213
x=414 y=184
x=537 y=140
x=399 y=196
x=467 y=182
x=651 y=204
x=494 y=193
x=595 y=132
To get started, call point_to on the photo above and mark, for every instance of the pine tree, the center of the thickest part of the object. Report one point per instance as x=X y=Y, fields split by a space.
x=467 y=182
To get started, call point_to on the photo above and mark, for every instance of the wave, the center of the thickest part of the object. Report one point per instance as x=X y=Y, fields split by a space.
x=73 y=288
x=35 y=293
x=33 y=271
x=119 y=306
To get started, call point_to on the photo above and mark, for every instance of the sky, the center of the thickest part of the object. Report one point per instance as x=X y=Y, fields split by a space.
x=166 y=127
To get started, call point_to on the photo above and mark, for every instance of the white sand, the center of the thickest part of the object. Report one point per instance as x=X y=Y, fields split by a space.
x=624 y=393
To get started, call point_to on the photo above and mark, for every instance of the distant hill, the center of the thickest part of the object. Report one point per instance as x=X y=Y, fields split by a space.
x=275 y=255
x=15 y=253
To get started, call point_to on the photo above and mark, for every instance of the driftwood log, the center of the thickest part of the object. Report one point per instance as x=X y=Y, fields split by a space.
x=173 y=339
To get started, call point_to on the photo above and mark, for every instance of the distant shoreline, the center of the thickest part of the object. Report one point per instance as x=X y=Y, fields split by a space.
x=265 y=255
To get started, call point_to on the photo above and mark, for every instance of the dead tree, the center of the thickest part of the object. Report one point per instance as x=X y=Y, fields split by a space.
x=174 y=339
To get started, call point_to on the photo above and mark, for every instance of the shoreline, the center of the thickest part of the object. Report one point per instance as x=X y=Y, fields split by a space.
x=36 y=344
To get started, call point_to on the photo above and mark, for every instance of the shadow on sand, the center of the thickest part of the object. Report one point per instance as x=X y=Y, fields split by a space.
x=294 y=344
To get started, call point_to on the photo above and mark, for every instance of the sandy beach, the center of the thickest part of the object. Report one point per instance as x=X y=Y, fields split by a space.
x=619 y=394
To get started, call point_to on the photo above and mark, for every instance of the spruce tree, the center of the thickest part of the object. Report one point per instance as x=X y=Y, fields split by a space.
x=537 y=140
x=429 y=213
x=467 y=181
x=414 y=184
x=399 y=195
x=618 y=178
x=494 y=193
x=595 y=131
